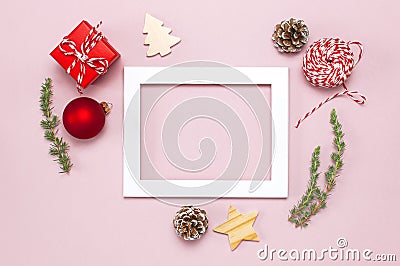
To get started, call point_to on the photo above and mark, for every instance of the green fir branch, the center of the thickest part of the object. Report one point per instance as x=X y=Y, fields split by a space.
x=312 y=189
x=58 y=147
x=314 y=199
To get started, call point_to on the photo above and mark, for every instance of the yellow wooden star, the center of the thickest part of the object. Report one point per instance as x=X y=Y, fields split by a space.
x=239 y=227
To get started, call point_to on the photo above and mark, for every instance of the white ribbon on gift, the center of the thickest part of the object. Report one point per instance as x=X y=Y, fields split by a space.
x=100 y=65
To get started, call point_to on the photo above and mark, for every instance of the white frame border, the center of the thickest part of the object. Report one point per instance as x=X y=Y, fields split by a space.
x=277 y=77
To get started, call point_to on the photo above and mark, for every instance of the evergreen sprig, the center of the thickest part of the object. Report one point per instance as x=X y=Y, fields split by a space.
x=58 y=146
x=314 y=199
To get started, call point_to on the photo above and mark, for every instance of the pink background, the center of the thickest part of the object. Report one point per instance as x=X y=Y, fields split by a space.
x=82 y=219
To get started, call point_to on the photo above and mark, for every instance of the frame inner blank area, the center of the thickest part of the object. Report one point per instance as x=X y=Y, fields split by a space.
x=186 y=131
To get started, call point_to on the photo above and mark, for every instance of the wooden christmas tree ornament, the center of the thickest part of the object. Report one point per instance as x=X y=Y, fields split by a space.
x=239 y=227
x=158 y=37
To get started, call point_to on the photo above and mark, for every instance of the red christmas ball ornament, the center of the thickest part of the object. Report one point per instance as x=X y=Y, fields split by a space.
x=84 y=117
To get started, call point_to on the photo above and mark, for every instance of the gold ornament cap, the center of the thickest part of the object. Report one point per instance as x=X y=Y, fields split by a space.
x=106 y=107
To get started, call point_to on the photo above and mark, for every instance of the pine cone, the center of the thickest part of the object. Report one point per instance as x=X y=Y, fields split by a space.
x=190 y=222
x=290 y=35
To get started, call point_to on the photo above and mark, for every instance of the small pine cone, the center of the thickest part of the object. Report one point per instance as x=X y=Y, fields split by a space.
x=290 y=35
x=190 y=222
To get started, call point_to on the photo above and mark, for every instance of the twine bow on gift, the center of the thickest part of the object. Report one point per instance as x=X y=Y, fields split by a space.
x=69 y=48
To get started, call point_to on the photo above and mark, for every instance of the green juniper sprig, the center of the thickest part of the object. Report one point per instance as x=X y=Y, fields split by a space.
x=312 y=189
x=337 y=157
x=314 y=198
x=58 y=146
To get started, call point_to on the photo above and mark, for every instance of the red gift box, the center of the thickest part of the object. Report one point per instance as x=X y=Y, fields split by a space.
x=85 y=54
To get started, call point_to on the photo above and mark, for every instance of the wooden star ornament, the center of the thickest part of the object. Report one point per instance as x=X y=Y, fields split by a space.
x=158 y=37
x=238 y=227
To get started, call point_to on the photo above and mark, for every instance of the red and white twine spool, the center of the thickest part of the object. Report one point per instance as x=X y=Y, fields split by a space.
x=327 y=63
x=69 y=48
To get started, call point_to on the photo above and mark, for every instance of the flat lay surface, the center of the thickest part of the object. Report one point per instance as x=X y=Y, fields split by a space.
x=82 y=219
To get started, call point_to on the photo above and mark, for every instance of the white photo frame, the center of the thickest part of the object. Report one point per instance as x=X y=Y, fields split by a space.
x=135 y=77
